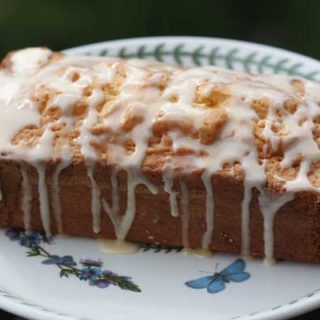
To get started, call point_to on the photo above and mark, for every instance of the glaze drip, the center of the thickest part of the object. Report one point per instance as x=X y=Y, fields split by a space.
x=95 y=199
x=26 y=198
x=168 y=187
x=207 y=236
x=269 y=206
x=43 y=198
x=245 y=220
x=56 y=206
x=113 y=210
x=123 y=223
x=185 y=214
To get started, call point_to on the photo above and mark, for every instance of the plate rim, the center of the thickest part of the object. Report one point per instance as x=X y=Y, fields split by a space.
x=301 y=305
x=296 y=307
x=91 y=46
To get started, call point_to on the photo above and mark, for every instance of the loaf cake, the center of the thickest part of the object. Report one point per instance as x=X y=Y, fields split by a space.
x=152 y=153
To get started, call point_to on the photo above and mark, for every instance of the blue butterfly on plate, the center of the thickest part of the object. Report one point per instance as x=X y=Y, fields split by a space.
x=217 y=282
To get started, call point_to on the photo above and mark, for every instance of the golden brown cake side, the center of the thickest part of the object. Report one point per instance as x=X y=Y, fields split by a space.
x=199 y=157
x=296 y=226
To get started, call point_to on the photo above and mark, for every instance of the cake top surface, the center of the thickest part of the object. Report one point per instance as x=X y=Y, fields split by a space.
x=119 y=112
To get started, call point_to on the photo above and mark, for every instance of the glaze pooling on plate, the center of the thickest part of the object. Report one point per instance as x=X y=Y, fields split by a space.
x=253 y=127
x=114 y=246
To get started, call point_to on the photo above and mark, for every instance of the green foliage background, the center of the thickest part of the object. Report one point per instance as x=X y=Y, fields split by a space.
x=291 y=24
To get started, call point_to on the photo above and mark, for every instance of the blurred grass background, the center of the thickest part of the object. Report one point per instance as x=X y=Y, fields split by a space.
x=59 y=24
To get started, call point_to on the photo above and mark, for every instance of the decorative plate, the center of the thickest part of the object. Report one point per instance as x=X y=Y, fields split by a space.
x=72 y=279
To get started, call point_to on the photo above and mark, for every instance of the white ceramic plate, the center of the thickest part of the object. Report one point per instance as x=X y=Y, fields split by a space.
x=157 y=290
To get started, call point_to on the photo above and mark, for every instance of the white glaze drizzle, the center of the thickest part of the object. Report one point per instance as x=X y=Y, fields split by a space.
x=27 y=61
x=245 y=220
x=113 y=210
x=122 y=223
x=43 y=197
x=31 y=69
x=95 y=199
x=56 y=205
x=207 y=236
x=269 y=206
x=185 y=214
x=26 y=198
x=168 y=187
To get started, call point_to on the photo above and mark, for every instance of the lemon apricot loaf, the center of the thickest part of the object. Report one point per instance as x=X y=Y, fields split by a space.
x=153 y=153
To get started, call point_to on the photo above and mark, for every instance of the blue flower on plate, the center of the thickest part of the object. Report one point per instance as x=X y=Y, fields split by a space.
x=13 y=234
x=91 y=273
x=34 y=239
x=65 y=260
x=101 y=283
x=27 y=239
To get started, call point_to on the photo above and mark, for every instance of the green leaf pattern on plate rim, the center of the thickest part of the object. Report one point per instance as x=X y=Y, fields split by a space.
x=232 y=58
